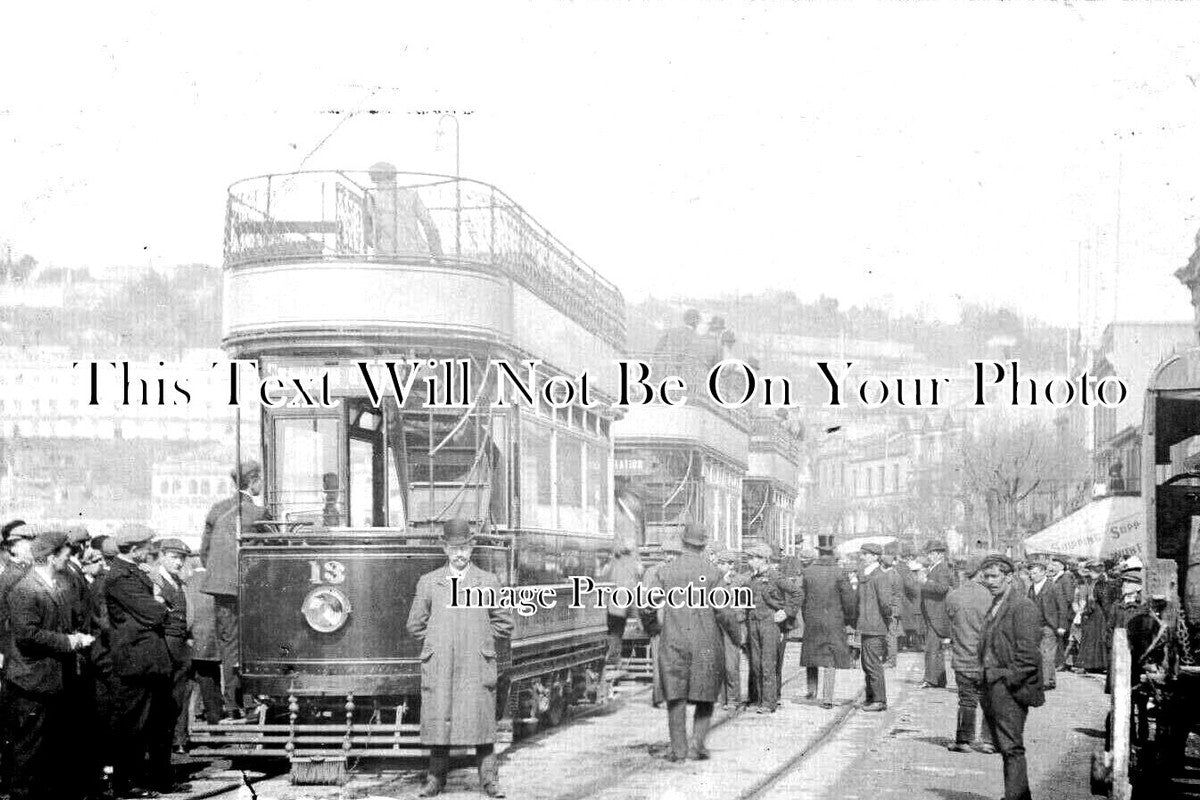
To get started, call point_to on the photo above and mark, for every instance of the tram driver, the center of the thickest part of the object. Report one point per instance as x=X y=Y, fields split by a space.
x=458 y=662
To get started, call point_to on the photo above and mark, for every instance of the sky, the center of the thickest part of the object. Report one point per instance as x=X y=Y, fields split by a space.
x=916 y=155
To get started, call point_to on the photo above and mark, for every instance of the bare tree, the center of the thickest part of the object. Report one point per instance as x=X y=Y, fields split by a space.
x=1006 y=462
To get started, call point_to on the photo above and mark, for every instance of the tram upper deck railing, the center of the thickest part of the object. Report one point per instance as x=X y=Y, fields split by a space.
x=348 y=216
x=774 y=433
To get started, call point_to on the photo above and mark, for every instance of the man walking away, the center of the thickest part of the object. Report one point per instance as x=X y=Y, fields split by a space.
x=966 y=608
x=828 y=607
x=875 y=606
x=1011 y=667
x=1064 y=581
x=1053 y=618
x=938 y=582
x=690 y=658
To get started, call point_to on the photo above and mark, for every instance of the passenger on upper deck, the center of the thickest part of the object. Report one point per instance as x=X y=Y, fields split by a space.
x=396 y=221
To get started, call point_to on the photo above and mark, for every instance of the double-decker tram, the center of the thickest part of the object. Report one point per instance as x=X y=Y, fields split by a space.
x=336 y=283
x=679 y=463
x=771 y=484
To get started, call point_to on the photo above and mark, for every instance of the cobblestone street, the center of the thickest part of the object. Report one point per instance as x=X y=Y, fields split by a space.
x=802 y=752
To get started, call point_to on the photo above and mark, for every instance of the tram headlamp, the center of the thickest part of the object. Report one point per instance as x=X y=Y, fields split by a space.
x=325 y=609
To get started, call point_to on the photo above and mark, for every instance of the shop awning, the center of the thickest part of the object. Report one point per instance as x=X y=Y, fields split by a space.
x=1110 y=526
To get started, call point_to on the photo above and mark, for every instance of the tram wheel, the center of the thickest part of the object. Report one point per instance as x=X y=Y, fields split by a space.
x=553 y=716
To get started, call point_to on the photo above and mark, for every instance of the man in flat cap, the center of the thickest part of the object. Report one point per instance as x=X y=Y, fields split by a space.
x=41 y=666
x=937 y=584
x=139 y=683
x=731 y=692
x=622 y=569
x=1064 y=581
x=829 y=606
x=877 y=604
x=458 y=662
x=225 y=523
x=1012 y=666
x=691 y=651
x=762 y=625
x=1054 y=616
x=169 y=578
x=967 y=607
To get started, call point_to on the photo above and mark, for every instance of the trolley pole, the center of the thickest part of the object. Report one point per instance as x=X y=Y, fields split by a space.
x=457 y=183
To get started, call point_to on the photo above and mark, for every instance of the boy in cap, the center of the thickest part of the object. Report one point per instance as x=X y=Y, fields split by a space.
x=458 y=662
x=762 y=625
x=226 y=520
x=40 y=669
x=876 y=604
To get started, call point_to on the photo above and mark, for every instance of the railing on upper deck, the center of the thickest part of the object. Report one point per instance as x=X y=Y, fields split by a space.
x=694 y=370
x=775 y=433
x=345 y=215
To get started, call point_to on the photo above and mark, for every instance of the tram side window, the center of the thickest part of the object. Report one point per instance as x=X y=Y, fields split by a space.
x=597 y=485
x=305 y=450
x=569 y=460
x=536 y=475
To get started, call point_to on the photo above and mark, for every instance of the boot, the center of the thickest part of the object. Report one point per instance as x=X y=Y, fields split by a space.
x=489 y=771
x=439 y=765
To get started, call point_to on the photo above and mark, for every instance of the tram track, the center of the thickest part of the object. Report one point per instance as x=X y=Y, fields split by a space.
x=615 y=773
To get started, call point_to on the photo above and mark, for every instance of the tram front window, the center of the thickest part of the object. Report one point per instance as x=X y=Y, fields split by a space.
x=359 y=469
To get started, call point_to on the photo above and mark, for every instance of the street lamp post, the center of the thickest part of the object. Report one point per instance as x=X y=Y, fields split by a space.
x=457 y=183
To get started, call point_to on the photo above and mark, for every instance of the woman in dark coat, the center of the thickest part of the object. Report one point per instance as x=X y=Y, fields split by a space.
x=829 y=605
x=1093 y=626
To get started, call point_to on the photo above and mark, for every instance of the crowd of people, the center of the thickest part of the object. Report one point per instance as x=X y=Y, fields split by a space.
x=104 y=640
x=1007 y=627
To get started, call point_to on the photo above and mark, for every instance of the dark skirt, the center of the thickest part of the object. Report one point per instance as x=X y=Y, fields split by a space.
x=1093 y=642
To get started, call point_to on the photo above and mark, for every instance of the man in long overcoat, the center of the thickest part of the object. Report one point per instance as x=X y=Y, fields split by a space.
x=829 y=606
x=877 y=605
x=939 y=580
x=458 y=661
x=691 y=656
x=1064 y=581
x=218 y=553
x=1012 y=673
x=139 y=682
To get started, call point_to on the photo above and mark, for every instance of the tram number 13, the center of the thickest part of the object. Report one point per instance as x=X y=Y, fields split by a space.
x=326 y=572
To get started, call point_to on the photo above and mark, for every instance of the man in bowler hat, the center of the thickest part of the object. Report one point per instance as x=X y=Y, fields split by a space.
x=458 y=662
x=937 y=584
x=691 y=656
